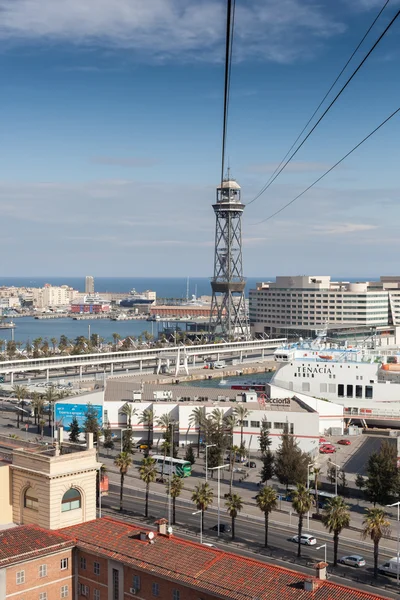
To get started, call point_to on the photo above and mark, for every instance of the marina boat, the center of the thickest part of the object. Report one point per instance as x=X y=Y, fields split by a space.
x=136 y=298
x=7 y=325
x=366 y=381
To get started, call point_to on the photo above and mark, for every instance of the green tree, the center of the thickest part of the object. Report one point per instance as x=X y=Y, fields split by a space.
x=74 y=431
x=123 y=461
x=129 y=411
x=36 y=347
x=116 y=337
x=241 y=413
x=196 y=419
x=376 y=526
x=38 y=407
x=175 y=490
x=63 y=344
x=108 y=443
x=190 y=455
x=53 y=341
x=335 y=517
x=267 y=470
x=202 y=496
x=382 y=474
x=127 y=441
x=267 y=501
x=342 y=483
x=11 y=349
x=147 y=418
x=233 y=505
x=290 y=462
x=20 y=392
x=301 y=502
x=148 y=474
x=91 y=423
x=264 y=438
x=232 y=458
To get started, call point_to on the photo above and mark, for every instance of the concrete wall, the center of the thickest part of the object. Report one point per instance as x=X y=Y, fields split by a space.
x=6 y=512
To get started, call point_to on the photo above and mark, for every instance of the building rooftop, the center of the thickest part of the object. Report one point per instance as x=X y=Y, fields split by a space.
x=200 y=567
x=29 y=541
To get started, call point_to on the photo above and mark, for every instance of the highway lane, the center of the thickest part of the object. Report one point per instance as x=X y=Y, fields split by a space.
x=250 y=532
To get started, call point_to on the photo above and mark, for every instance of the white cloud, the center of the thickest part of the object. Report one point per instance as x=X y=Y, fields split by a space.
x=277 y=31
x=132 y=161
x=342 y=228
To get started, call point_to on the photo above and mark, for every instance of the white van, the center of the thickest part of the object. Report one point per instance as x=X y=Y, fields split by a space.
x=219 y=364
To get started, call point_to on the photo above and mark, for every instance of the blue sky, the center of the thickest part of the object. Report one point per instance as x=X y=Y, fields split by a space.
x=111 y=136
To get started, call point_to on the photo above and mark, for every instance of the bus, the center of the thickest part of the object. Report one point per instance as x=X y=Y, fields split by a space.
x=322 y=497
x=172 y=466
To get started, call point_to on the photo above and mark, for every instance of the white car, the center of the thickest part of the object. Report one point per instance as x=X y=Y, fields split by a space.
x=355 y=560
x=305 y=538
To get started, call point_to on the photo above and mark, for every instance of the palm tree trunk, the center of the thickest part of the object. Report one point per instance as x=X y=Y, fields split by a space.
x=198 y=443
x=35 y=415
x=146 y=512
x=241 y=434
x=300 y=529
x=231 y=473
x=49 y=414
x=22 y=412
x=266 y=516
x=316 y=494
x=202 y=521
x=335 y=547
x=17 y=417
x=121 y=492
x=148 y=438
x=173 y=510
x=233 y=528
x=376 y=553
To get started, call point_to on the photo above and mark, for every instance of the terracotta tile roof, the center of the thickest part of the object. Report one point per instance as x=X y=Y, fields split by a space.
x=29 y=541
x=201 y=567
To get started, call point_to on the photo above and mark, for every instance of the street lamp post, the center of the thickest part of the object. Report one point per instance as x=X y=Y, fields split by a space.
x=308 y=488
x=398 y=537
x=322 y=546
x=208 y=446
x=336 y=474
x=199 y=512
x=218 y=492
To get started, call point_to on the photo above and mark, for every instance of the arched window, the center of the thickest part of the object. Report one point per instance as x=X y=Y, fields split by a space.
x=71 y=500
x=30 y=499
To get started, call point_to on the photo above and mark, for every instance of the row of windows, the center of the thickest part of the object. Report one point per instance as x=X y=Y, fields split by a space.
x=343 y=391
x=96 y=565
x=270 y=425
x=64 y=593
x=84 y=590
x=20 y=575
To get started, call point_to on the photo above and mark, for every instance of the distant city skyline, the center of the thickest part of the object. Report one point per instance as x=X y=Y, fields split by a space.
x=113 y=127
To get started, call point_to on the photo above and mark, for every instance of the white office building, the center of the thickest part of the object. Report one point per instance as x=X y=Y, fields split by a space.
x=305 y=303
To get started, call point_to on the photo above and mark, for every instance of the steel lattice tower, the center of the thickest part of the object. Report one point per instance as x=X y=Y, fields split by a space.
x=228 y=310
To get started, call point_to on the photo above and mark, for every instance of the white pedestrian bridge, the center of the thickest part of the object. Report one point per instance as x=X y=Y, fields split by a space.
x=181 y=356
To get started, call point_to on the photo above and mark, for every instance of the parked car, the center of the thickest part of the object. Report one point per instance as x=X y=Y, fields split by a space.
x=344 y=442
x=322 y=440
x=251 y=464
x=141 y=446
x=223 y=528
x=390 y=567
x=354 y=560
x=327 y=449
x=305 y=538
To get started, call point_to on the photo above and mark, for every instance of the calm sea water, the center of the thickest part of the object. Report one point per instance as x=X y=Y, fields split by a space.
x=28 y=328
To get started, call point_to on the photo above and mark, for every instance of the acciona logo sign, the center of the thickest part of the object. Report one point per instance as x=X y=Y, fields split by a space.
x=324 y=370
x=277 y=400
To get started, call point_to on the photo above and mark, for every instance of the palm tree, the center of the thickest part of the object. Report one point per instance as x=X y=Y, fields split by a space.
x=175 y=490
x=376 y=526
x=148 y=474
x=267 y=501
x=165 y=422
x=230 y=424
x=38 y=406
x=115 y=337
x=123 y=461
x=336 y=516
x=197 y=419
x=241 y=413
x=20 y=392
x=232 y=457
x=202 y=496
x=53 y=341
x=129 y=411
x=146 y=418
x=234 y=505
x=301 y=502
x=51 y=396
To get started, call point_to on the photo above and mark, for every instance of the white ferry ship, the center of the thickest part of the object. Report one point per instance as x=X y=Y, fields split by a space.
x=365 y=381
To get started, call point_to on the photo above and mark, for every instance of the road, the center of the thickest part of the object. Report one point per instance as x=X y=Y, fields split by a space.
x=250 y=537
